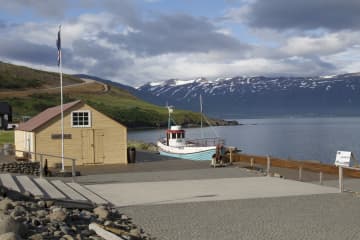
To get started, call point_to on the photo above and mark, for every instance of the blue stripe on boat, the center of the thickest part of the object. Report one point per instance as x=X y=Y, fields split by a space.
x=204 y=155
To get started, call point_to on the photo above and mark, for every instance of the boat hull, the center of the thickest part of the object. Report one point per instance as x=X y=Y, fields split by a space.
x=197 y=154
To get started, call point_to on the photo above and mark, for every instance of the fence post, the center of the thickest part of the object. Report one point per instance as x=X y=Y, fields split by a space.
x=300 y=173
x=231 y=155
x=321 y=178
x=252 y=162
x=73 y=173
x=268 y=165
x=341 y=183
x=41 y=166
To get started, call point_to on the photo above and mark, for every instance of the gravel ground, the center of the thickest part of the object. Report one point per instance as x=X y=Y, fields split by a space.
x=329 y=216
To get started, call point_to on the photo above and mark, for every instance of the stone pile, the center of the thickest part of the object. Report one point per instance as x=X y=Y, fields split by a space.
x=29 y=168
x=24 y=217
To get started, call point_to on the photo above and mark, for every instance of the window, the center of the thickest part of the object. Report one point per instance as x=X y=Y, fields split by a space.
x=81 y=119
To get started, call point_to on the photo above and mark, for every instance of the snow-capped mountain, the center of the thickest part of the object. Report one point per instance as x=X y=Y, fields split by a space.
x=241 y=96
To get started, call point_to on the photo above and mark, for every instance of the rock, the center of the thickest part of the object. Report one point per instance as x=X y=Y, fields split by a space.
x=65 y=229
x=57 y=234
x=35 y=222
x=49 y=203
x=95 y=238
x=67 y=237
x=10 y=236
x=41 y=203
x=37 y=236
x=135 y=232
x=78 y=237
x=8 y=224
x=107 y=223
x=124 y=217
x=87 y=232
x=101 y=212
x=58 y=214
x=41 y=213
x=6 y=204
x=18 y=211
x=28 y=194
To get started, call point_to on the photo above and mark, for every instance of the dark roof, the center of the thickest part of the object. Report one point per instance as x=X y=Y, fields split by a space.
x=44 y=117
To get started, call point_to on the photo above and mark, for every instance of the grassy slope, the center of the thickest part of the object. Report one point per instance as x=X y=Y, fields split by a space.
x=6 y=137
x=17 y=77
x=116 y=103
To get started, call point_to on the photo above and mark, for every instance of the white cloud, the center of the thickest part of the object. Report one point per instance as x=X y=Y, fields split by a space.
x=323 y=45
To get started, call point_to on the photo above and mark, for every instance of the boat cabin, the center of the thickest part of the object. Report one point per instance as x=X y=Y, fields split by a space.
x=175 y=136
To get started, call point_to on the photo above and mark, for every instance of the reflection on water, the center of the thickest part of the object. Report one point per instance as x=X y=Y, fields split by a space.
x=293 y=138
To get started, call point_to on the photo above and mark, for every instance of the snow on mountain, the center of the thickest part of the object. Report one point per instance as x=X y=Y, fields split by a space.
x=260 y=94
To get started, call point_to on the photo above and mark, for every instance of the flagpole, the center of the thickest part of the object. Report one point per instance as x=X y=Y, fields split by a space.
x=61 y=100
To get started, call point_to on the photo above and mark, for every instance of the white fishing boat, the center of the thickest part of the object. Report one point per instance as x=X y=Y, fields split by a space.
x=175 y=144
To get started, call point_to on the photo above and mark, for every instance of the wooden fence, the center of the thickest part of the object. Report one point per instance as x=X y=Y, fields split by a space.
x=293 y=164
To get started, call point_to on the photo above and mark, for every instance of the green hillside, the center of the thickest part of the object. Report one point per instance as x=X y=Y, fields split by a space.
x=14 y=77
x=115 y=102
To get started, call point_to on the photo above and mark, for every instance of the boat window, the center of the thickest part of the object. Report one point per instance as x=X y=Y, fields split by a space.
x=179 y=135
x=183 y=135
x=173 y=135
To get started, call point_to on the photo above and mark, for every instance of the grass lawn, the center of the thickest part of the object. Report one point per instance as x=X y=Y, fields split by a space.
x=6 y=137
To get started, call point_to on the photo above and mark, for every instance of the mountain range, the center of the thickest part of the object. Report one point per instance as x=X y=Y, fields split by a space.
x=240 y=96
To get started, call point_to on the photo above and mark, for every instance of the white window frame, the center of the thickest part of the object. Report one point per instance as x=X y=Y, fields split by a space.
x=81 y=126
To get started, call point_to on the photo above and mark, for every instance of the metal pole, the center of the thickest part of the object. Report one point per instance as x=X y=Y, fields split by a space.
x=73 y=170
x=61 y=105
x=231 y=155
x=321 y=178
x=268 y=165
x=341 y=183
x=300 y=173
x=41 y=166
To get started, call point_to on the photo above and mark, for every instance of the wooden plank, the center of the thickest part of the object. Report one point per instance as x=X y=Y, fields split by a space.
x=29 y=186
x=49 y=189
x=71 y=193
x=87 y=193
x=9 y=182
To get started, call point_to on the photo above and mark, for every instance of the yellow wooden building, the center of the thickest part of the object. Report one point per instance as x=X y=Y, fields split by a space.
x=89 y=136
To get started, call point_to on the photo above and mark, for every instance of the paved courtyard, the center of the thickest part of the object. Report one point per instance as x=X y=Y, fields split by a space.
x=145 y=193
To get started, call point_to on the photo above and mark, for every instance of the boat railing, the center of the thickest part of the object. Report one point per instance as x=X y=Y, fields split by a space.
x=205 y=142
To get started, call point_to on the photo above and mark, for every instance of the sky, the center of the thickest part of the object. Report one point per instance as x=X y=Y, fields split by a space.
x=138 y=41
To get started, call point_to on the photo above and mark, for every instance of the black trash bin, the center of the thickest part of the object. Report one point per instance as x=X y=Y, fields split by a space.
x=131 y=154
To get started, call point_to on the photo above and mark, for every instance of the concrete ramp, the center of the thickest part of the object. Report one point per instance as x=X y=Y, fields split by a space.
x=147 y=193
x=55 y=189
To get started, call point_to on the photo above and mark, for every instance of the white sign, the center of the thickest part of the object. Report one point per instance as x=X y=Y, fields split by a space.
x=343 y=158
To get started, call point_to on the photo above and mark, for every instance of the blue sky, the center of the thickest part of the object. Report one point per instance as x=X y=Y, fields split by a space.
x=138 y=41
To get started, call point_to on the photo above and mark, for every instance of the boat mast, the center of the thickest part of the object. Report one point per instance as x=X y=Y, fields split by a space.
x=201 y=121
x=170 y=110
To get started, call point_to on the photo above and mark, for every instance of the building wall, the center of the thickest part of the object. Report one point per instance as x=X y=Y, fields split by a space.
x=105 y=142
x=24 y=141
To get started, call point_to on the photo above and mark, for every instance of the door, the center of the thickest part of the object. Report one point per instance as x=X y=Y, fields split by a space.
x=87 y=146
x=99 y=146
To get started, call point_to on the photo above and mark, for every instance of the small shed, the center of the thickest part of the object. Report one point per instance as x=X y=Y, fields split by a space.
x=5 y=115
x=89 y=136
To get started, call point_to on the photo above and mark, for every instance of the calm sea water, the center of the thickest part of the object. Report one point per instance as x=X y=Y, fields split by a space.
x=293 y=138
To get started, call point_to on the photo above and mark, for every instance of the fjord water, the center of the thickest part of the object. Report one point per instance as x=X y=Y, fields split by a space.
x=290 y=138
